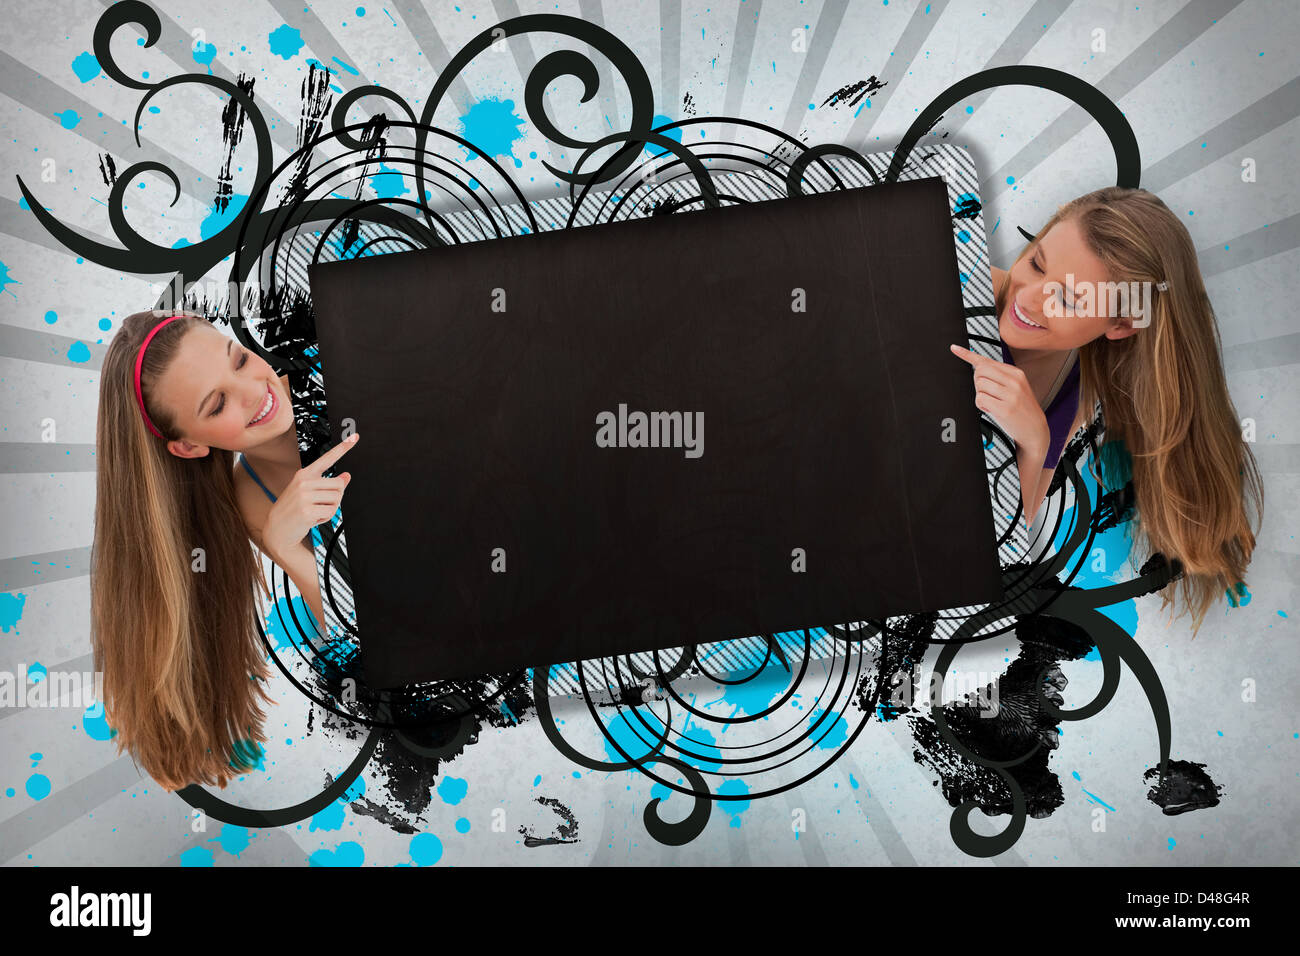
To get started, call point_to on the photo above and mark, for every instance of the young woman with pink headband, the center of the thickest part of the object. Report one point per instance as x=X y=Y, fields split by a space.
x=174 y=578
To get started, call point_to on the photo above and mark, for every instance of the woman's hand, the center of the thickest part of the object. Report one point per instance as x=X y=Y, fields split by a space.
x=1003 y=392
x=308 y=500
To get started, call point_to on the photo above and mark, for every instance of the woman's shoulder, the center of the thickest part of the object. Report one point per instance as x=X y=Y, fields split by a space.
x=251 y=500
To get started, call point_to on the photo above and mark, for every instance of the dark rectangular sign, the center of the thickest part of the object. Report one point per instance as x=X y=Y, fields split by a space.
x=657 y=432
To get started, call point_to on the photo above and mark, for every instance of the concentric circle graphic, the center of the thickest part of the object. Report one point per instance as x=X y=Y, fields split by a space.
x=795 y=710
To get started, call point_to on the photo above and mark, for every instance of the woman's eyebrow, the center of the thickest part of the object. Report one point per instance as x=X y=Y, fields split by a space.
x=229 y=343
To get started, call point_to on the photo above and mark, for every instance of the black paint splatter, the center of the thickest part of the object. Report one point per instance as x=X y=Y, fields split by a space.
x=565 y=832
x=1186 y=787
x=107 y=169
x=232 y=130
x=368 y=808
x=316 y=103
x=1011 y=729
x=407 y=763
x=900 y=654
x=854 y=92
x=1114 y=507
x=375 y=136
x=688 y=105
x=661 y=207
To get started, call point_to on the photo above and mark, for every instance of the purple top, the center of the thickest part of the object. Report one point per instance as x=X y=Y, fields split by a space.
x=1060 y=413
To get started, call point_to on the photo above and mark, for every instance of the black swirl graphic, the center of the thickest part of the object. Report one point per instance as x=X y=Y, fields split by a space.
x=643 y=715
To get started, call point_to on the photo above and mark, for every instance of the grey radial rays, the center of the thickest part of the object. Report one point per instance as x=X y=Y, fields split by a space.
x=1033 y=26
x=894 y=68
x=46 y=98
x=31 y=345
x=21 y=224
x=84 y=664
x=809 y=843
x=521 y=45
x=1278 y=458
x=1267 y=240
x=1266 y=353
x=742 y=52
x=1179 y=31
x=818 y=52
x=29 y=570
x=66 y=805
x=592 y=13
x=175 y=38
x=1260 y=117
x=435 y=51
x=670 y=51
x=882 y=827
x=44 y=458
x=321 y=41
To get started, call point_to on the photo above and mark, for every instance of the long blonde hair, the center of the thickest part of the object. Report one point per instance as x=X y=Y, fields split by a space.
x=173 y=629
x=1164 y=395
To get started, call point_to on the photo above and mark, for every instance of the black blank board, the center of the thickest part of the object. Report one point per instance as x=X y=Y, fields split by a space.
x=822 y=438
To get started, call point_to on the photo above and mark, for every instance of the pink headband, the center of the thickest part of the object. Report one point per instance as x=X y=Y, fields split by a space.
x=139 y=359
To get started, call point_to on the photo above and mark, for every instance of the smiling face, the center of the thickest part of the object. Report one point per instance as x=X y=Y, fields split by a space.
x=1055 y=295
x=221 y=395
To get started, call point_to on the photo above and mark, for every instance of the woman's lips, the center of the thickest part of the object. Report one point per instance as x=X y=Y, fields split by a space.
x=275 y=407
x=1016 y=317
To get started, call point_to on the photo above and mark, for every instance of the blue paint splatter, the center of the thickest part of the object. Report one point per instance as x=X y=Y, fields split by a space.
x=197 y=856
x=347 y=854
x=426 y=849
x=78 y=352
x=4 y=269
x=95 y=724
x=38 y=786
x=11 y=609
x=285 y=42
x=493 y=127
x=85 y=66
x=347 y=66
x=659 y=119
x=453 y=790
x=331 y=818
x=388 y=183
x=233 y=839
x=834 y=728
x=68 y=119
x=733 y=808
x=1096 y=799
x=217 y=220
x=1115 y=544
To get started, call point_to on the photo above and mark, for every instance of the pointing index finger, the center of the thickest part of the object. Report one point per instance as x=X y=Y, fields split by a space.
x=974 y=358
x=319 y=466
